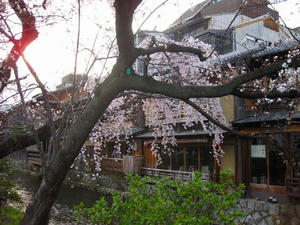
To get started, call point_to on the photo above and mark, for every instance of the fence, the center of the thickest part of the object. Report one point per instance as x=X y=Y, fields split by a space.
x=171 y=174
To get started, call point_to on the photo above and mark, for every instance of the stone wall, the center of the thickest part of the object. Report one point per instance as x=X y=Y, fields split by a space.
x=265 y=213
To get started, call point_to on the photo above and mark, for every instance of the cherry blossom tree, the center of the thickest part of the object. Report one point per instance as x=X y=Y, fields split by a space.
x=179 y=78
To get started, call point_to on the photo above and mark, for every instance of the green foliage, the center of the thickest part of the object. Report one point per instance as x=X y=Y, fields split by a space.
x=10 y=216
x=161 y=201
x=7 y=191
x=18 y=129
x=7 y=188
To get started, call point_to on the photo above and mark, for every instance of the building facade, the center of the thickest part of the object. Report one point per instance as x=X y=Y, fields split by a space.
x=239 y=33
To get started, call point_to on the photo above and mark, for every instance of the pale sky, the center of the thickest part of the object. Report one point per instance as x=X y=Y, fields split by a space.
x=52 y=54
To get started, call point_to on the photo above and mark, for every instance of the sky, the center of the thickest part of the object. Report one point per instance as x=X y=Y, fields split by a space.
x=289 y=11
x=52 y=54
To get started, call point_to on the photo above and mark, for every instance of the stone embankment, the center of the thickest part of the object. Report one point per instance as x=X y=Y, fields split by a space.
x=265 y=213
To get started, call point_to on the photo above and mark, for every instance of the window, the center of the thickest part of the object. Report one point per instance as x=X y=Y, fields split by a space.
x=223 y=41
x=189 y=158
x=266 y=161
x=295 y=142
x=178 y=159
x=258 y=162
x=112 y=152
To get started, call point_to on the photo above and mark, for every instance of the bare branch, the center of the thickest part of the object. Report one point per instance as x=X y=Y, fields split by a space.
x=29 y=34
x=151 y=13
x=44 y=4
x=46 y=106
x=211 y=119
x=291 y=32
x=7 y=35
x=24 y=111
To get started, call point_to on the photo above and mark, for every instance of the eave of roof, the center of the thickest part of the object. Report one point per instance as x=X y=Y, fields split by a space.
x=178 y=134
x=267 y=117
x=190 y=13
x=186 y=24
x=260 y=51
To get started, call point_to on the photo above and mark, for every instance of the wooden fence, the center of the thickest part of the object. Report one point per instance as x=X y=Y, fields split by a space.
x=33 y=155
x=293 y=188
x=132 y=164
x=171 y=174
x=112 y=165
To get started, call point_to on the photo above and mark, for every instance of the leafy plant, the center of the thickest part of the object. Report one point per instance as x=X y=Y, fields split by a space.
x=18 y=129
x=10 y=216
x=7 y=188
x=161 y=201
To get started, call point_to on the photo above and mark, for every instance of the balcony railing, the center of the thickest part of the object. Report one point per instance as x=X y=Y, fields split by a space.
x=293 y=188
x=34 y=158
x=171 y=174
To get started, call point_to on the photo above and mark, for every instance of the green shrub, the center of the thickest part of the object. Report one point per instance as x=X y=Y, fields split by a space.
x=7 y=188
x=10 y=216
x=161 y=201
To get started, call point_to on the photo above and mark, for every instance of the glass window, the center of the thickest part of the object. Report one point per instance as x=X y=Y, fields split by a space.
x=206 y=161
x=258 y=160
x=259 y=170
x=277 y=169
x=165 y=164
x=296 y=152
x=267 y=162
x=276 y=158
x=177 y=159
x=113 y=151
x=191 y=159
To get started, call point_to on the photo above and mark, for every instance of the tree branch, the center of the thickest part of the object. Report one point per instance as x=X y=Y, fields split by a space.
x=17 y=142
x=291 y=94
x=211 y=119
x=151 y=13
x=171 y=48
x=125 y=37
x=29 y=34
x=46 y=106
x=147 y=84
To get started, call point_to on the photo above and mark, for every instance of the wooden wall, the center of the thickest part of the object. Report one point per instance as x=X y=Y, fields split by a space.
x=112 y=165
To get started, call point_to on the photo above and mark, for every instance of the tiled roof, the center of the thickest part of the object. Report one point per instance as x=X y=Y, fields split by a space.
x=260 y=51
x=188 y=14
x=181 y=133
x=267 y=117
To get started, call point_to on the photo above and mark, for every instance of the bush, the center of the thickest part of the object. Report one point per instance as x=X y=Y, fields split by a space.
x=10 y=216
x=161 y=201
x=7 y=188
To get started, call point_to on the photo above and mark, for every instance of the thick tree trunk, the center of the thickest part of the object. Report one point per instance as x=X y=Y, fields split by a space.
x=38 y=211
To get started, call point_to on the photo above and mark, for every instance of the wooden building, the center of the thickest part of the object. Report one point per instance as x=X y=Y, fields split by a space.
x=270 y=162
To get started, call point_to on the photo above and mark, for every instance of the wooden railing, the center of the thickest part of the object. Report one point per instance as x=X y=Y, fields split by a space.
x=34 y=158
x=112 y=165
x=171 y=174
x=293 y=188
